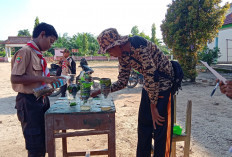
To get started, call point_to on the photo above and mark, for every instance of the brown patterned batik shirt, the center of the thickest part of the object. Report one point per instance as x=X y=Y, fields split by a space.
x=147 y=59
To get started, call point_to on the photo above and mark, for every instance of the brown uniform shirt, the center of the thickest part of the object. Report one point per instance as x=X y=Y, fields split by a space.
x=26 y=62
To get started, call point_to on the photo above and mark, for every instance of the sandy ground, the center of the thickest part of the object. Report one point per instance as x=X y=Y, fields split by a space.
x=211 y=119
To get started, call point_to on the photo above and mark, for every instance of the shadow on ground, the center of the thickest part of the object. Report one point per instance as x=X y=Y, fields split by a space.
x=7 y=106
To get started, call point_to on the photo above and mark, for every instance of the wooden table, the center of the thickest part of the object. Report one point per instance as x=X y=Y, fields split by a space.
x=61 y=116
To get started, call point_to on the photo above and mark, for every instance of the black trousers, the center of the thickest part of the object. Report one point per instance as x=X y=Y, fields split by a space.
x=63 y=90
x=162 y=135
x=30 y=113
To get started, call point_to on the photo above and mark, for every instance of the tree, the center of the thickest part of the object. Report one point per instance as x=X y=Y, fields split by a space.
x=36 y=21
x=188 y=26
x=85 y=43
x=164 y=49
x=153 y=34
x=142 y=34
x=47 y=54
x=24 y=33
x=134 y=31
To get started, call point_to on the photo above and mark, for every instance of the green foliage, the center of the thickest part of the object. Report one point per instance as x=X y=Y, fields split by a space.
x=24 y=33
x=142 y=34
x=209 y=55
x=86 y=43
x=2 y=53
x=135 y=31
x=2 y=47
x=153 y=34
x=47 y=54
x=187 y=27
x=36 y=21
x=14 y=50
x=163 y=48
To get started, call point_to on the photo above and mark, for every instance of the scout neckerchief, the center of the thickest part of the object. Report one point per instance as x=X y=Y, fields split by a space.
x=43 y=61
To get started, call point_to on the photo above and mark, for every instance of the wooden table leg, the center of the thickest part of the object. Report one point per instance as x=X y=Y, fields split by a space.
x=111 y=137
x=173 y=154
x=64 y=144
x=50 y=140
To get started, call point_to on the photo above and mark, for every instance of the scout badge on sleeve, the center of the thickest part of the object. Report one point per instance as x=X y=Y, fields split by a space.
x=18 y=59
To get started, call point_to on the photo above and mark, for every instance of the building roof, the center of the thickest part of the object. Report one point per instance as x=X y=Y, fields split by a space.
x=16 y=40
x=228 y=19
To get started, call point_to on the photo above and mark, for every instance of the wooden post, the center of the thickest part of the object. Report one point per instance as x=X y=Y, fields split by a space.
x=188 y=128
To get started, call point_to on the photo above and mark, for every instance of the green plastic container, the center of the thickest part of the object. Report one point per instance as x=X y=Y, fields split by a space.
x=177 y=130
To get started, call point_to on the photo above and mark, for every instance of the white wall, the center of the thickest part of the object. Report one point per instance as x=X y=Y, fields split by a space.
x=212 y=44
x=222 y=44
x=58 y=53
x=229 y=11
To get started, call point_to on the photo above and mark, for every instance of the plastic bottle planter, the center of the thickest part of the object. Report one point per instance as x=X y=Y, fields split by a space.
x=85 y=90
x=105 y=84
x=87 y=77
x=73 y=89
x=47 y=88
x=42 y=90
x=59 y=83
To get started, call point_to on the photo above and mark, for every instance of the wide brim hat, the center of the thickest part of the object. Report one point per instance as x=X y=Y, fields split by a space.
x=110 y=38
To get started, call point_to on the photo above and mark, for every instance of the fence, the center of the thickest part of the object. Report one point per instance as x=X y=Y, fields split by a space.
x=3 y=59
x=88 y=58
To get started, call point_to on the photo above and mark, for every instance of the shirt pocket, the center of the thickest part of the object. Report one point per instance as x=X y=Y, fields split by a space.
x=37 y=67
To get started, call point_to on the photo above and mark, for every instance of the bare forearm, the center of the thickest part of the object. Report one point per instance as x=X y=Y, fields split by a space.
x=25 y=79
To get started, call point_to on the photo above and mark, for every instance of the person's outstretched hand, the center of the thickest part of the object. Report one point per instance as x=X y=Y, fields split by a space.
x=156 y=118
x=222 y=86
x=228 y=90
x=95 y=93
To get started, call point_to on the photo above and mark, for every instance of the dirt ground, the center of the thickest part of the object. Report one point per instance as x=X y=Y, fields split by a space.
x=211 y=119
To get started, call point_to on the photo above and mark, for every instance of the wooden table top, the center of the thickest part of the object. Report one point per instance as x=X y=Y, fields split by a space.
x=63 y=107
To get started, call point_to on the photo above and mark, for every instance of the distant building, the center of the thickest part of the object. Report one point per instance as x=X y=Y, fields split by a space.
x=57 y=52
x=224 y=39
x=14 y=42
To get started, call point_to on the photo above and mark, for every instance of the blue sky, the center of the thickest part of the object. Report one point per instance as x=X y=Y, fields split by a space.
x=77 y=16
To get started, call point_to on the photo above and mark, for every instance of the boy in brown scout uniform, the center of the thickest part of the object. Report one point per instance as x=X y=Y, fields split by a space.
x=156 y=107
x=29 y=71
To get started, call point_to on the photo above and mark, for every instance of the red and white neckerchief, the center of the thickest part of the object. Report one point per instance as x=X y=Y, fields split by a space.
x=43 y=61
x=64 y=64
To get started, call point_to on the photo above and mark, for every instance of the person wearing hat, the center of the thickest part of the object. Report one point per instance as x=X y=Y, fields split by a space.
x=28 y=71
x=68 y=66
x=156 y=107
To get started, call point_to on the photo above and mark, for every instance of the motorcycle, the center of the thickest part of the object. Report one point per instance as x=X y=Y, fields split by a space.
x=85 y=69
x=134 y=78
